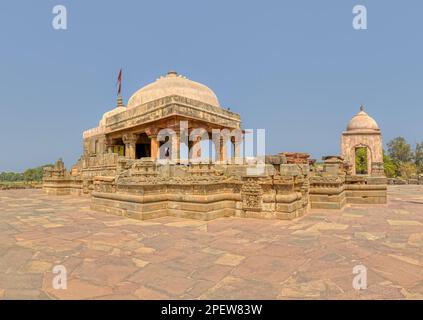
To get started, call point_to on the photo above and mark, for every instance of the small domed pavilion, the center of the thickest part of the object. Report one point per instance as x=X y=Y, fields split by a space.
x=363 y=133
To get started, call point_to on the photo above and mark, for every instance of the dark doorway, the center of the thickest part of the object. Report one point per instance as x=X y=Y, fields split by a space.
x=143 y=146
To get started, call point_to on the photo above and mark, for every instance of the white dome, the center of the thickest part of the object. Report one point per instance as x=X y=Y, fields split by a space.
x=173 y=84
x=362 y=121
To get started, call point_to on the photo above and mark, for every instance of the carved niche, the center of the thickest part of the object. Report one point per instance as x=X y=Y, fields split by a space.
x=252 y=195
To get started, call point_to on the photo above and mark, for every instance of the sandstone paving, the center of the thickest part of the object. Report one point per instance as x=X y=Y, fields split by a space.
x=112 y=257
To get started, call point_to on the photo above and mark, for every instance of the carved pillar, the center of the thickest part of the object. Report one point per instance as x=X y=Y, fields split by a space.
x=176 y=146
x=196 y=149
x=129 y=140
x=217 y=150
x=223 y=150
x=154 y=147
x=109 y=145
x=237 y=143
x=152 y=133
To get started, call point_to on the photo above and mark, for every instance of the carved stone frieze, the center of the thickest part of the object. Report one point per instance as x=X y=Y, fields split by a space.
x=252 y=195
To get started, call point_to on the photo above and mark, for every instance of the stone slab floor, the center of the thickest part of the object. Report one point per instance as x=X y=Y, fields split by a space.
x=110 y=257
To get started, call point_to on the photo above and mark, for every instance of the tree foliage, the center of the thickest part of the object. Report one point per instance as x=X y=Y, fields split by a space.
x=11 y=176
x=361 y=161
x=389 y=166
x=33 y=174
x=418 y=157
x=407 y=170
x=400 y=151
x=401 y=158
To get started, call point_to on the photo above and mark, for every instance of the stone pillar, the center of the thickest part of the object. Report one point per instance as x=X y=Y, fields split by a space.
x=129 y=140
x=217 y=150
x=176 y=146
x=152 y=133
x=109 y=145
x=237 y=149
x=223 y=150
x=154 y=147
x=196 y=149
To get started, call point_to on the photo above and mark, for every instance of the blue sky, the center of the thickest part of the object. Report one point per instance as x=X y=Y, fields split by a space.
x=296 y=68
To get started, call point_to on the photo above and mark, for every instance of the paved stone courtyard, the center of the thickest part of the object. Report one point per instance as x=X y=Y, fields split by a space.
x=109 y=257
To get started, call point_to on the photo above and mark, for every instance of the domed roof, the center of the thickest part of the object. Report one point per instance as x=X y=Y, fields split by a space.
x=173 y=84
x=362 y=121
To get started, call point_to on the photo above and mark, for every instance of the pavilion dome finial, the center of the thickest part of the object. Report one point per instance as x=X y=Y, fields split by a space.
x=362 y=121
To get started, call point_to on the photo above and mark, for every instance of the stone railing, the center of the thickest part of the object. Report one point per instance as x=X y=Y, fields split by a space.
x=402 y=181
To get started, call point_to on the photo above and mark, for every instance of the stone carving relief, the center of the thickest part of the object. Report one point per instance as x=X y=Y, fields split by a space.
x=252 y=195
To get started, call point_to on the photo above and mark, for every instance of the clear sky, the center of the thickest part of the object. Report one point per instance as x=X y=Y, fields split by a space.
x=295 y=68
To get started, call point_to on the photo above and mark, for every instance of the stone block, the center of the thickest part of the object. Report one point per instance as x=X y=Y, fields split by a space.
x=289 y=170
x=331 y=169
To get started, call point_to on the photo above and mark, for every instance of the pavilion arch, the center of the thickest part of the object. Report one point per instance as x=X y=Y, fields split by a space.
x=369 y=158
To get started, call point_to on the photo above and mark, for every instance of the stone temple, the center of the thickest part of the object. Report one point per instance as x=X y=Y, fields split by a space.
x=147 y=159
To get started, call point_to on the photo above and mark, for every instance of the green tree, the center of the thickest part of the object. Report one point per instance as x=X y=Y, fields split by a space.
x=389 y=166
x=11 y=176
x=30 y=174
x=361 y=161
x=33 y=174
x=407 y=170
x=418 y=157
x=400 y=151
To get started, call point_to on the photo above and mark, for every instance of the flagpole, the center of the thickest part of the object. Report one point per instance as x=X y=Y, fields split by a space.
x=119 y=89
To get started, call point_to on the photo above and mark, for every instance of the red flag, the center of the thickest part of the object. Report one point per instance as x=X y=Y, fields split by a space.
x=119 y=82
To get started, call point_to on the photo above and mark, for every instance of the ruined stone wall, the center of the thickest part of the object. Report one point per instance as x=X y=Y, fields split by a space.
x=366 y=189
x=336 y=186
x=64 y=185
x=80 y=180
x=145 y=190
x=417 y=180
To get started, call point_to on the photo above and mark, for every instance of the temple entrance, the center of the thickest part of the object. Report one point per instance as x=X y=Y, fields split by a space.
x=361 y=160
x=143 y=146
